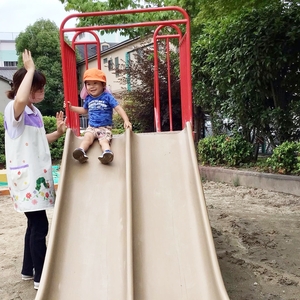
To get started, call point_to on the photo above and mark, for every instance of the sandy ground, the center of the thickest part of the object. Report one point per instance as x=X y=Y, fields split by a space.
x=256 y=235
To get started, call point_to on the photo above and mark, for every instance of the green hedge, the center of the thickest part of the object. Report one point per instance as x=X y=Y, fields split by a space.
x=224 y=150
x=57 y=147
x=285 y=159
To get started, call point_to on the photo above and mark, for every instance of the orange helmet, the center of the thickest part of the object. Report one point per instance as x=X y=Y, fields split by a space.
x=94 y=74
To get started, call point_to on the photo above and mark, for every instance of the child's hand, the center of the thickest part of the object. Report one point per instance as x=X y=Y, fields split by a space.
x=61 y=123
x=69 y=105
x=127 y=124
x=27 y=60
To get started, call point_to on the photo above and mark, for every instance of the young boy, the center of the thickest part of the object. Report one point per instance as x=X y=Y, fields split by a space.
x=99 y=105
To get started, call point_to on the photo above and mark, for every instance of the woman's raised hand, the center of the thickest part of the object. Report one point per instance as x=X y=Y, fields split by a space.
x=27 y=60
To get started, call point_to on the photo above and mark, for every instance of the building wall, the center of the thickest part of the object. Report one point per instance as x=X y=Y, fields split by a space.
x=4 y=86
x=8 y=52
x=120 y=54
x=8 y=57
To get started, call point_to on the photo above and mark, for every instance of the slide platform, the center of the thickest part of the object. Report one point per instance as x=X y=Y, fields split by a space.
x=136 y=229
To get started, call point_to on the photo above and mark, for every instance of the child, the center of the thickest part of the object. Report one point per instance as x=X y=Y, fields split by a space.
x=28 y=162
x=99 y=104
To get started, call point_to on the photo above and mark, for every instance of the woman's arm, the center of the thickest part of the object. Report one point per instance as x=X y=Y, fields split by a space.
x=23 y=93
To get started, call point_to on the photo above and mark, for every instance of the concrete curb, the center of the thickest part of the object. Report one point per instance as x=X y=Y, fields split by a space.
x=272 y=182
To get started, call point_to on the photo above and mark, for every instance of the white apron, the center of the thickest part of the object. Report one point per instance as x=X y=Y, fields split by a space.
x=29 y=169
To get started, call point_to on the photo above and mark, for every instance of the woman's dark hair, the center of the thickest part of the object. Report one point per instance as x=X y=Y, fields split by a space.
x=38 y=82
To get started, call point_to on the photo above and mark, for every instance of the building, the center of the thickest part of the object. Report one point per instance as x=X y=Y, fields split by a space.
x=8 y=54
x=8 y=64
x=113 y=56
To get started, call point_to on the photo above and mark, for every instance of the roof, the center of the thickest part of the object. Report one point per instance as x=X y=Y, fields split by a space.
x=113 y=46
x=91 y=49
x=7 y=73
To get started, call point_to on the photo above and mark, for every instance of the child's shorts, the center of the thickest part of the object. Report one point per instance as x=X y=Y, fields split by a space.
x=101 y=133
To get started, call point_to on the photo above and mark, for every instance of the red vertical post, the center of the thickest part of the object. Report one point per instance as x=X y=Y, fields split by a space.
x=169 y=83
x=185 y=80
x=156 y=89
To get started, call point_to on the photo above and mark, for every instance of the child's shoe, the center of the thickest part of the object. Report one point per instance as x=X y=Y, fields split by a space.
x=80 y=155
x=106 y=157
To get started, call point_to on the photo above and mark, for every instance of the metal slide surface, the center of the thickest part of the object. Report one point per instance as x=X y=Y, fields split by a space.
x=135 y=229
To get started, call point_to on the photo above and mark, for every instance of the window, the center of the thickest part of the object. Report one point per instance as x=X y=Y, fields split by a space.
x=139 y=54
x=104 y=47
x=117 y=66
x=10 y=63
x=105 y=60
x=110 y=65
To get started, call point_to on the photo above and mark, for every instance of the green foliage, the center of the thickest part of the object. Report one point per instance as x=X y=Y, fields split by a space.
x=138 y=100
x=56 y=148
x=224 y=150
x=245 y=58
x=42 y=39
x=118 y=122
x=94 y=6
x=200 y=11
x=245 y=68
x=285 y=159
x=208 y=10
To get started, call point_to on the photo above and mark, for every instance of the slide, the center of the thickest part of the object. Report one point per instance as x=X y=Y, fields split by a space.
x=136 y=229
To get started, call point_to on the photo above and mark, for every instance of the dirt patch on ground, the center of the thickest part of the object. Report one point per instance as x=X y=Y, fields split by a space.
x=256 y=234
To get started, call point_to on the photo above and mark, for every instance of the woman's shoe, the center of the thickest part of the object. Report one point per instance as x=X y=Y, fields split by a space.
x=27 y=277
x=36 y=285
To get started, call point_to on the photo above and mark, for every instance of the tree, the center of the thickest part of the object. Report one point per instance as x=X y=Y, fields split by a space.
x=246 y=69
x=42 y=39
x=200 y=11
x=94 y=6
x=138 y=100
x=235 y=74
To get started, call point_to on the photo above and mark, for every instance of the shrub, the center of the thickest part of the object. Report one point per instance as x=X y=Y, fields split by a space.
x=285 y=158
x=209 y=150
x=56 y=148
x=224 y=150
x=118 y=122
x=137 y=73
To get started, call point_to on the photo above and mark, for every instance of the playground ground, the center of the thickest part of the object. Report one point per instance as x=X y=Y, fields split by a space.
x=256 y=234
